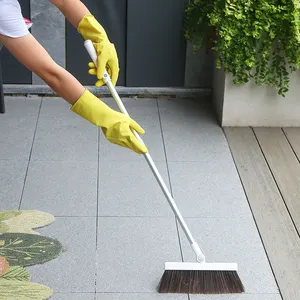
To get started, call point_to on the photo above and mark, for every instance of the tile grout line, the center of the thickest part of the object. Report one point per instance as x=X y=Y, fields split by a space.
x=164 y=147
x=144 y=217
x=110 y=160
x=155 y=293
x=97 y=208
x=168 y=172
x=170 y=183
x=30 y=154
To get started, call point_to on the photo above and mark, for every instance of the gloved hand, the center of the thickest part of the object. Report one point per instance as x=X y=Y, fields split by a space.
x=90 y=29
x=93 y=71
x=115 y=126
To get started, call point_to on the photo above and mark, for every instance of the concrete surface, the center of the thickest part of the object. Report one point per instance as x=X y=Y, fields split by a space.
x=115 y=225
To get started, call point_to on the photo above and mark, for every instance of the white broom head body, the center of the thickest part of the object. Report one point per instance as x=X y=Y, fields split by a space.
x=200 y=278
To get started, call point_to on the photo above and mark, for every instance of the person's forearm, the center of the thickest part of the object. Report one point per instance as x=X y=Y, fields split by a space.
x=64 y=84
x=33 y=56
x=73 y=10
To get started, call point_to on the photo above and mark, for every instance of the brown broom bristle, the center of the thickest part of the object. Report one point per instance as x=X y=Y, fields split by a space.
x=200 y=282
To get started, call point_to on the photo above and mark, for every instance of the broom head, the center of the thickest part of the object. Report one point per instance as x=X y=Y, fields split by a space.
x=201 y=278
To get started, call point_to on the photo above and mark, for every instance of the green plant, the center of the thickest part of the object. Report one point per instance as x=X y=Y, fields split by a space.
x=253 y=39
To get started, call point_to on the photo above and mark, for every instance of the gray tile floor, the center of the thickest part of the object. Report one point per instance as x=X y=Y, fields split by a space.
x=112 y=219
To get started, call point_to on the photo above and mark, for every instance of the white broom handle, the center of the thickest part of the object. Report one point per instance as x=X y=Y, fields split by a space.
x=106 y=78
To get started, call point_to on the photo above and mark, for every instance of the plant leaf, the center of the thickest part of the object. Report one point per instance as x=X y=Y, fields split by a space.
x=24 y=221
x=17 y=273
x=262 y=37
x=12 y=290
x=21 y=249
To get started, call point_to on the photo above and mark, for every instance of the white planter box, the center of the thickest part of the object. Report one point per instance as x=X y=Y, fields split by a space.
x=251 y=105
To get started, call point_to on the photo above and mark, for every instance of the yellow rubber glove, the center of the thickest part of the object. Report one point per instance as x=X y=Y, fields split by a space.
x=93 y=71
x=115 y=126
x=90 y=29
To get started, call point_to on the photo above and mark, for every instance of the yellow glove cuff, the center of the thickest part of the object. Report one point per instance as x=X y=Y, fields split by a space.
x=91 y=108
x=91 y=29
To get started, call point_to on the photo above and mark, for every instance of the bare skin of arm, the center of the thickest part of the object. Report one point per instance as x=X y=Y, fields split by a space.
x=33 y=56
x=116 y=126
x=73 y=10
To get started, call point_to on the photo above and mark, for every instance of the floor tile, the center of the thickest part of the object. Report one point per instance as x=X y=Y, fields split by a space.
x=12 y=177
x=16 y=136
x=65 y=140
x=74 y=269
x=62 y=188
x=130 y=189
x=208 y=189
x=73 y=296
x=190 y=131
x=54 y=107
x=22 y=106
x=139 y=296
x=145 y=112
x=132 y=252
x=237 y=297
x=233 y=240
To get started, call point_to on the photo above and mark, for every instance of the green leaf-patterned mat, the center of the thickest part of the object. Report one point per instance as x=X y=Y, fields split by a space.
x=20 y=246
x=22 y=249
x=16 y=273
x=23 y=221
x=12 y=290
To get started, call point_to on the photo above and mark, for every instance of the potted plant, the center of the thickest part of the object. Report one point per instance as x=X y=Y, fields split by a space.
x=257 y=46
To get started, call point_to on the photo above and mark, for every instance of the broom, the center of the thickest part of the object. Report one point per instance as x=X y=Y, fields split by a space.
x=181 y=277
